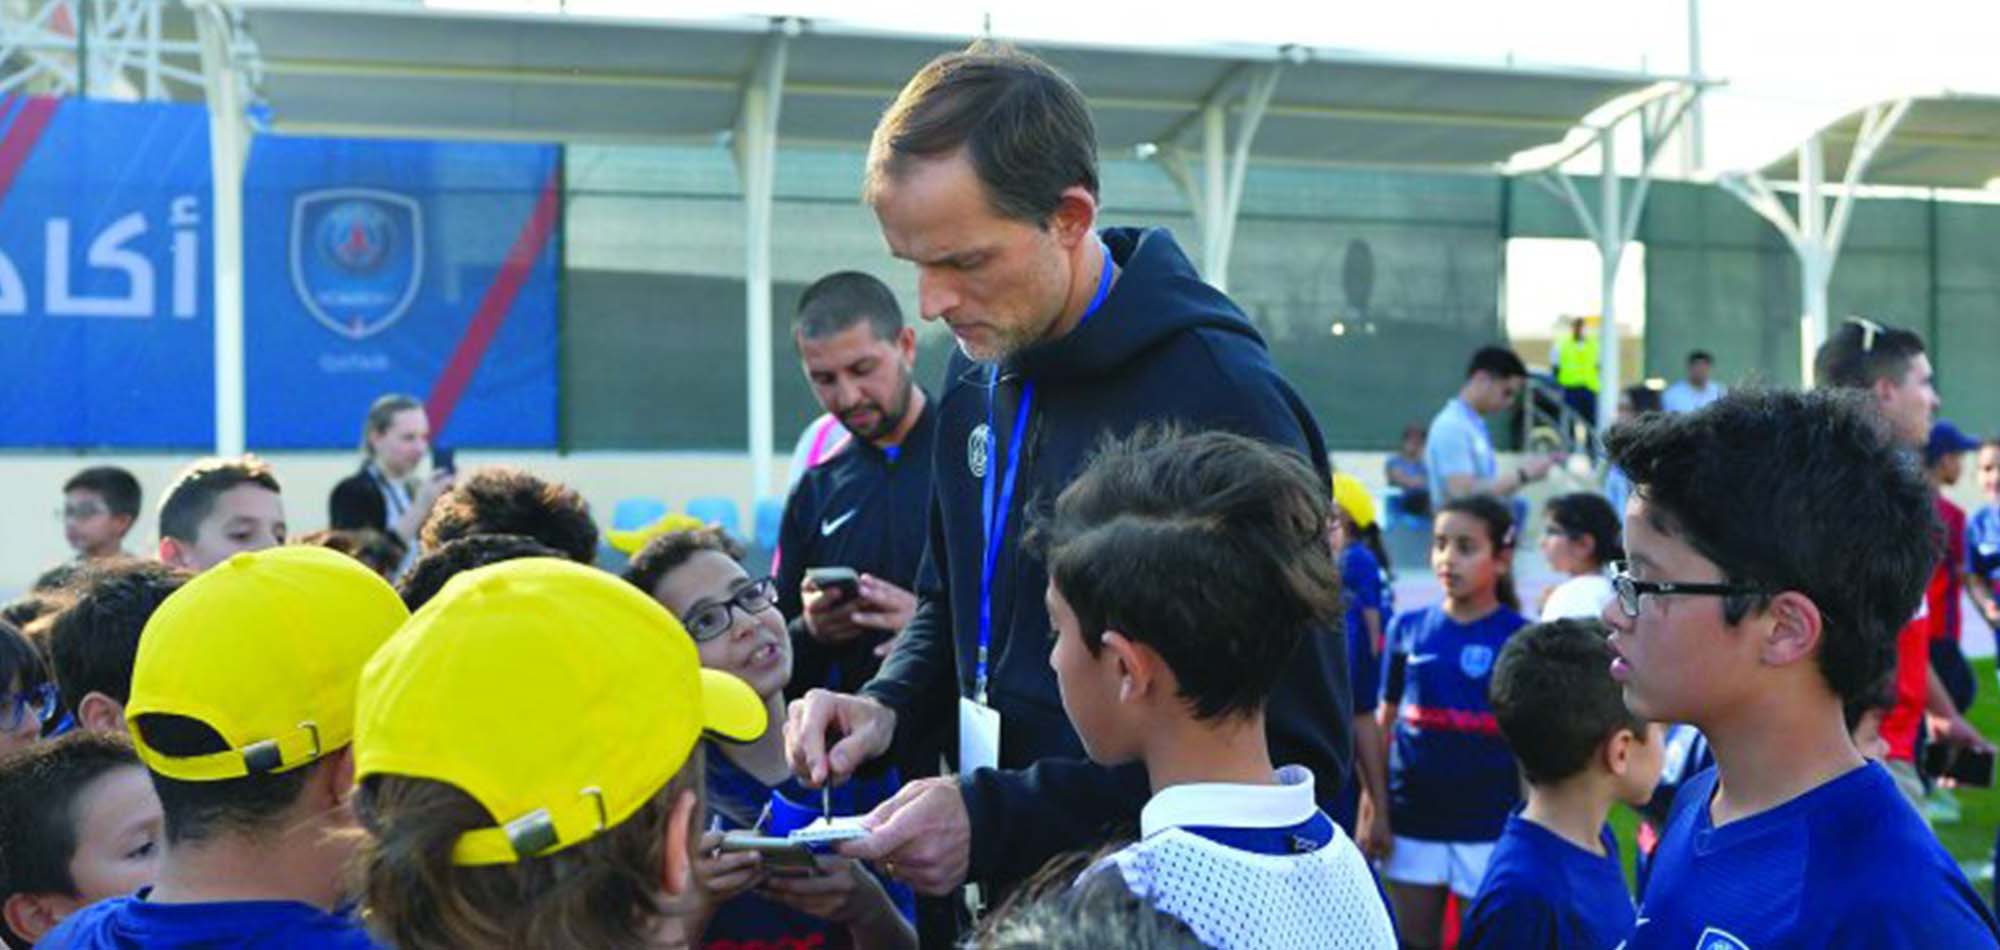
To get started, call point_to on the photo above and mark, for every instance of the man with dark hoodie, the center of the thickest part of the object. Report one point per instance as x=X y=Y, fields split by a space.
x=983 y=174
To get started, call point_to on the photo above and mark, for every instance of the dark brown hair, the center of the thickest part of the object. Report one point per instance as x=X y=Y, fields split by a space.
x=1023 y=125
x=501 y=499
x=673 y=549
x=600 y=893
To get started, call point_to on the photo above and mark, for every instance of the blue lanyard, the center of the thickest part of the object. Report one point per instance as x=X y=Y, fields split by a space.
x=1303 y=838
x=995 y=509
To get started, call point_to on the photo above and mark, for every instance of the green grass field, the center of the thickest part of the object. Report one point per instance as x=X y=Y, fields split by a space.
x=1970 y=839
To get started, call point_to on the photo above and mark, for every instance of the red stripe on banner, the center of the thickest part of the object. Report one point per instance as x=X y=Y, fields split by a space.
x=1433 y=719
x=21 y=139
x=493 y=308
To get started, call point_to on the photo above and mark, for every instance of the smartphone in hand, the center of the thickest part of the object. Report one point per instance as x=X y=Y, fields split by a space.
x=842 y=580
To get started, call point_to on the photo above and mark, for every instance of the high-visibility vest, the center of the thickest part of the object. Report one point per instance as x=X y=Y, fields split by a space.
x=1576 y=363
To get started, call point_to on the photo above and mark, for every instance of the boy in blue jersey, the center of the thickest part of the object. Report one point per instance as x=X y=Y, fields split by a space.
x=242 y=707
x=1451 y=779
x=1184 y=572
x=1555 y=880
x=1778 y=541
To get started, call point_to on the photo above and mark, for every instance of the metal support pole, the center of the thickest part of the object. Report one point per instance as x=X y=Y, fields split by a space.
x=1696 y=137
x=228 y=145
x=154 y=89
x=1610 y=247
x=1814 y=239
x=756 y=158
x=1214 y=135
x=82 y=22
x=1815 y=264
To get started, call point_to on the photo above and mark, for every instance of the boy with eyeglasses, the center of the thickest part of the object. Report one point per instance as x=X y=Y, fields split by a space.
x=1777 y=540
x=99 y=506
x=738 y=629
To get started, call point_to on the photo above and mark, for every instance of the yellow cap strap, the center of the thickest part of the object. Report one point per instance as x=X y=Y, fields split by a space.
x=538 y=832
x=288 y=751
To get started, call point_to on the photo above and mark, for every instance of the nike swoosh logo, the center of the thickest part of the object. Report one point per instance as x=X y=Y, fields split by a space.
x=1422 y=658
x=827 y=528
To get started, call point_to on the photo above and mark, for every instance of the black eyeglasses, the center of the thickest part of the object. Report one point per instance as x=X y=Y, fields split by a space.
x=1630 y=589
x=709 y=621
x=15 y=707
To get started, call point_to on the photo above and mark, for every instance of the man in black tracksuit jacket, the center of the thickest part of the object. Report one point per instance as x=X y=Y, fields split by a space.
x=1164 y=347
x=983 y=174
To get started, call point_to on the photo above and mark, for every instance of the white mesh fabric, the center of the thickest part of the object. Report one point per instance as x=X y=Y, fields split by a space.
x=1241 y=900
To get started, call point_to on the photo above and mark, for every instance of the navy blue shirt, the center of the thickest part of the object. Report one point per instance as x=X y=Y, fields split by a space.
x=736 y=800
x=1542 y=891
x=864 y=509
x=132 y=923
x=1361 y=583
x=1164 y=348
x=1848 y=864
x=1451 y=775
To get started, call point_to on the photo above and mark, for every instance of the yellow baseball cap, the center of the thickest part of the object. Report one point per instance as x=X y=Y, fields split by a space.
x=558 y=696
x=1353 y=498
x=266 y=649
x=633 y=541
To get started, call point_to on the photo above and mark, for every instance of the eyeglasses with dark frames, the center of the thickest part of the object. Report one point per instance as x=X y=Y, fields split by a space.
x=709 y=621
x=1630 y=589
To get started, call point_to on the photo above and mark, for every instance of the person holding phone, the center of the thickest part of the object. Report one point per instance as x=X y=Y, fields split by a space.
x=384 y=494
x=853 y=532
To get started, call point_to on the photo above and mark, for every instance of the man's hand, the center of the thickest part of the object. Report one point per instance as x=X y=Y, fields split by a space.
x=923 y=836
x=1537 y=467
x=864 y=727
x=829 y=615
x=884 y=606
x=1955 y=730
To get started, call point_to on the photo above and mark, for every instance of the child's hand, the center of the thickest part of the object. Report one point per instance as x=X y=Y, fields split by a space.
x=1372 y=833
x=722 y=875
x=843 y=892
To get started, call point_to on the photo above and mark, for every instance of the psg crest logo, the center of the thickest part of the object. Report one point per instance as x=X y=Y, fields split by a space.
x=1475 y=660
x=978 y=449
x=357 y=257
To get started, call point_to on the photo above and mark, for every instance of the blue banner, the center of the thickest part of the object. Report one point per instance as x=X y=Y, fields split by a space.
x=375 y=267
x=105 y=274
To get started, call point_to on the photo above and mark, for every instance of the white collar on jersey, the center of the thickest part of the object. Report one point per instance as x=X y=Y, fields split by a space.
x=1230 y=805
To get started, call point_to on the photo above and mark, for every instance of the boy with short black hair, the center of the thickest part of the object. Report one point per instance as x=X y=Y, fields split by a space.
x=99 y=506
x=501 y=499
x=1184 y=571
x=242 y=708
x=1555 y=880
x=218 y=507
x=1754 y=613
x=94 y=641
x=79 y=823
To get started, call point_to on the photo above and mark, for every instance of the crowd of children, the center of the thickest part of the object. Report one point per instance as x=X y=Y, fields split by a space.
x=270 y=745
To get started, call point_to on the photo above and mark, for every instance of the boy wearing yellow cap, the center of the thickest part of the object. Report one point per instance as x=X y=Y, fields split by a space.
x=242 y=708
x=527 y=750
